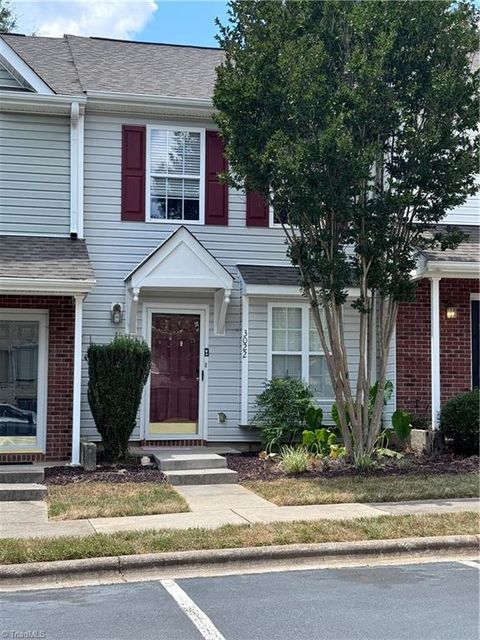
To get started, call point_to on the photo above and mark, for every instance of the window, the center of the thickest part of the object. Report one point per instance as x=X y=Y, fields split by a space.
x=175 y=166
x=295 y=349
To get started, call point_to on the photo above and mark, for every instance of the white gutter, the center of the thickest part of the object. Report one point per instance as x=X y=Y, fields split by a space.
x=33 y=102
x=131 y=103
x=47 y=285
x=278 y=290
x=76 y=169
x=448 y=269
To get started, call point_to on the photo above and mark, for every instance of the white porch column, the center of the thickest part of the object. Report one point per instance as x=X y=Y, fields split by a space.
x=435 y=347
x=77 y=379
x=244 y=352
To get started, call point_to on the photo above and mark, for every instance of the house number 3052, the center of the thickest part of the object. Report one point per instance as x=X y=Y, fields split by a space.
x=244 y=343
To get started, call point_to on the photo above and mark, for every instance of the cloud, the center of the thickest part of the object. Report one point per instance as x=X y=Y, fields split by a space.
x=121 y=19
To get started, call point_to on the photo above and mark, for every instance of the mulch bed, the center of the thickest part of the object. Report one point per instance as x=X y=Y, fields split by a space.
x=250 y=467
x=106 y=473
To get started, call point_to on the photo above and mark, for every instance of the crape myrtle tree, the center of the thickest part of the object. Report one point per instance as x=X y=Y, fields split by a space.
x=356 y=121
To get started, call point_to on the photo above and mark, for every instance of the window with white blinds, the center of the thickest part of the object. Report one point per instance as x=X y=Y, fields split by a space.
x=295 y=350
x=175 y=162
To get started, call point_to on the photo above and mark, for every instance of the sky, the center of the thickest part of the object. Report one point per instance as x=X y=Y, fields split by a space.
x=170 y=21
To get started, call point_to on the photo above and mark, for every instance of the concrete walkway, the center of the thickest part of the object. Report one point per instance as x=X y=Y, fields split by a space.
x=211 y=506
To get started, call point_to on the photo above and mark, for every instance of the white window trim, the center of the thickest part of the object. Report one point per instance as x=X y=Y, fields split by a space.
x=42 y=391
x=272 y=223
x=305 y=352
x=155 y=127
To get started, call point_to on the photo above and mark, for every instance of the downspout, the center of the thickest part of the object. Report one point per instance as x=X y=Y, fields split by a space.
x=76 y=170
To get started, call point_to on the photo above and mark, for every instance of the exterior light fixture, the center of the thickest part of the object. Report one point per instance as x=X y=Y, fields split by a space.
x=116 y=313
x=451 y=312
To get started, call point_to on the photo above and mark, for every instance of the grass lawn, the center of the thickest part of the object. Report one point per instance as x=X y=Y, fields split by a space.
x=298 y=491
x=105 y=499
x=234 y=536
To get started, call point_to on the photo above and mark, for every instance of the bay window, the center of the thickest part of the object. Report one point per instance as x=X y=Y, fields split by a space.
x=295 y=350
x=175 y=170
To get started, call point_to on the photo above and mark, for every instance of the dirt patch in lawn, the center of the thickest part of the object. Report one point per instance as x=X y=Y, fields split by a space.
x=250 y=467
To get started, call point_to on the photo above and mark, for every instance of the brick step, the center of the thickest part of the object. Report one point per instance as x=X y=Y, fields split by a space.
x=15 y=475
x=202 y=476
x=28 y=491
x=189 y=461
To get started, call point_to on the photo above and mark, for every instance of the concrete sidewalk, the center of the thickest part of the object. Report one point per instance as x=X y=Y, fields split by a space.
x=211 y=506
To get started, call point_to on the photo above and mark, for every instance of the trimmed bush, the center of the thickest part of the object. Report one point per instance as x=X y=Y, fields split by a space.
x=460 y=422
x=117 y=373
x=281 y=411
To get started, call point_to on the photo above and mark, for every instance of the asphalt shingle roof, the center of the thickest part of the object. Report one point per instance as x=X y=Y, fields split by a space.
x=268 y=274
x=467 y=251
x=74 y=64
x=35 y=257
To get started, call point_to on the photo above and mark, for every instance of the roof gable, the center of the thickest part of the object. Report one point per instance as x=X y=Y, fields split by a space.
x=180 y=262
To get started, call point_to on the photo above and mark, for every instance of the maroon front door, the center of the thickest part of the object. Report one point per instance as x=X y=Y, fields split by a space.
x=174 y=374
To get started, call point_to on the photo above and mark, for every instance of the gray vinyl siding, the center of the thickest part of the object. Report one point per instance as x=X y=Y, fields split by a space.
x=34 y=174
x=116 y=247
x=258 y=351
x=467 y=213
x=7 y=80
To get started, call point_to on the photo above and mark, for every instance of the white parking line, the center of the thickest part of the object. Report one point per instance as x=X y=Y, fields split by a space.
x=200 y=619
x=470 y=563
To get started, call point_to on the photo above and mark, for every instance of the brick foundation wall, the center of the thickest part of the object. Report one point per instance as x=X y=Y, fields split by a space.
x=61 y=328
x=413 y=385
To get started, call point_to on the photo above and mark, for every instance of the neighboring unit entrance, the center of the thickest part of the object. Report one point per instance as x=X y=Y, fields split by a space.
x=23 y=380
x=175 y=375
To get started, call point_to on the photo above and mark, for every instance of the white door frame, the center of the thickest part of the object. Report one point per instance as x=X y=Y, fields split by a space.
x=202 y=310
x=40 y=316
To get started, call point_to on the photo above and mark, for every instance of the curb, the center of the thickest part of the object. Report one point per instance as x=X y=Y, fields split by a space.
x=117 y=567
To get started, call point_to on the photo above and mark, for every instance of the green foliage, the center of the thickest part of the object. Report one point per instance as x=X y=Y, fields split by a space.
x=117 y=374
x=402 y=424
x=281 y=411
x=294 y=460
x=363 y=461
x=8 y=21
x=420 y=422
x=322 y=442
x=459 y=422
x=312 y=94
x=358 y=122
x=314 y=417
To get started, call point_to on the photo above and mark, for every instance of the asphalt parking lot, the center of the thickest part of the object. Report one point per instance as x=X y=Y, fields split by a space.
x=433 y=601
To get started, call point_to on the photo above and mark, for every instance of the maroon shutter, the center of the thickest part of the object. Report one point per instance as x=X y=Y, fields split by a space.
x=216 y=193
x=258 y=214
x=133 y=172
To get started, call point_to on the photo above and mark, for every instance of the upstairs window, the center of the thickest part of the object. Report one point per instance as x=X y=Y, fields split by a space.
x=175 y=174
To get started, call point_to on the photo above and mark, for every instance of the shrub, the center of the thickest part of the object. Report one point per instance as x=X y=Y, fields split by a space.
x=459 y=422
x=117 y=373
x=281 y=410
x=294 y=460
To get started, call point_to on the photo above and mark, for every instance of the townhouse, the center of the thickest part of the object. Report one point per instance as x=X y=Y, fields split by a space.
x=112 y=220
